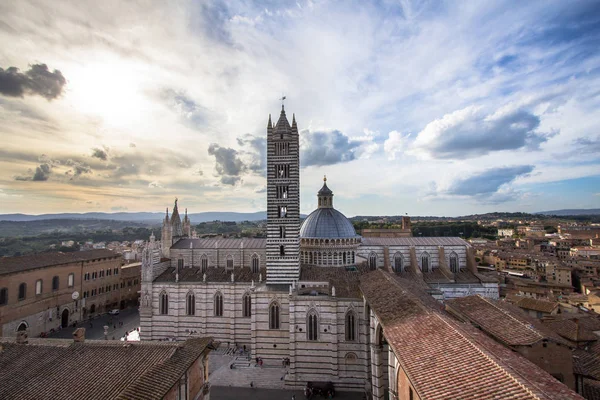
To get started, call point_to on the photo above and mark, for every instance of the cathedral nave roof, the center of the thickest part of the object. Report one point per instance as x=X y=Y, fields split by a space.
x=213 y=274
x=221 y=243
x=414 y=241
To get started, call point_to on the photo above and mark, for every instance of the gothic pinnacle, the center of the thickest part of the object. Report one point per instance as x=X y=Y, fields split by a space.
x=269 y=124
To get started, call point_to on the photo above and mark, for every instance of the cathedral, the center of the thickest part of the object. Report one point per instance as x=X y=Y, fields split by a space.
x=297 y=294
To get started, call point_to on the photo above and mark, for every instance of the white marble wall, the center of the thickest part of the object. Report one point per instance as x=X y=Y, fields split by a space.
x=433 y=251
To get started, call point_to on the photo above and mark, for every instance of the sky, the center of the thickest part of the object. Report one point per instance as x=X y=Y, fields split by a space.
x=409 y=107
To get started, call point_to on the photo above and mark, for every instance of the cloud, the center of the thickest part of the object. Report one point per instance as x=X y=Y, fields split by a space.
x=118 y=208
x=100 y=153
x=155 y=184
x=42 y=172
x=470 y=133
x=588 y=145
x=488 y=181
x=260 y=189
x=132 y=145
x=396 y=144
x=192 y=114
x=326 y=148
x=37 y=80
x=257 y=156
x=78 y=167
x=227 y=163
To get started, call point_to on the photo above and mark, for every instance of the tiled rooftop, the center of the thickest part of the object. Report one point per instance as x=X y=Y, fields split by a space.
x=94 y=369
x=229 y=243
x=213 y=274
x=445 y=359
x=571 y=329
x=502 y=321
x=537 y=305
x=10 y=265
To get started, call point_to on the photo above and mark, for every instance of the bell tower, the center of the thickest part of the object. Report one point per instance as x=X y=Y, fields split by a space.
x=283 y=201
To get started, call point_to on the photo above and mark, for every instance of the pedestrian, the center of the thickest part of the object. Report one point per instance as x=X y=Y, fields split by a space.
x=114 y=327
x=252 y=384
x=293 y=397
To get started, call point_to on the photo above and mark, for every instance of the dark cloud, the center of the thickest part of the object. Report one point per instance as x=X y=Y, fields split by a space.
x=41 y=173
x=326 y=148
x=78 y=167
x=99 y=153
x=192 y=113
x=469 y=133
x=37 y=80
x=257 y=153
x=227 y=163
x=489 y=181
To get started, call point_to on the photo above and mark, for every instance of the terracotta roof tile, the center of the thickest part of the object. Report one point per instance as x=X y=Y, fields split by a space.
x=504 y=322
x=537 y=305
x=445 y=359
x=571 y=330
x=10 y=265
x=94 y=369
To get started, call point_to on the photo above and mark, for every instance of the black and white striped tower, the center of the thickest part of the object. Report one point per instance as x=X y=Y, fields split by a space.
x=283 y=201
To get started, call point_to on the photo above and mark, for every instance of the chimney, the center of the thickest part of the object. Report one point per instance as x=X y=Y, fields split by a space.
x=79 y=335
x=22 y=337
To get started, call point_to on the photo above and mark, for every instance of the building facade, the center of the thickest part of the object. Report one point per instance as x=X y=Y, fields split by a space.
x=45 y=291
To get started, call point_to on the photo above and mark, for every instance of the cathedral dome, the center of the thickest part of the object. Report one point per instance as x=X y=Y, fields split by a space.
x=327 y=223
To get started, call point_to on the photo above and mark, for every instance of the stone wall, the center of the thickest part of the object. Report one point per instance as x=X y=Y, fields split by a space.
x=218 y=257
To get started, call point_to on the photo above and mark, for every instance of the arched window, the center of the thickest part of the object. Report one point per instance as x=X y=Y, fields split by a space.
x=190 y=304
x=229 y=262
x=350 y=326
x=281 y=251
x=247 y=300
x=453 y=262
x=310 y=257
x=425 y=264
x=255 y=264
x=3 y=296
x=38 y=286
x=163 y=304
x=22 y=326
x=71 y=280
x=312 y=326
x=204 y=263
x=274 y=316
x=55 y=283
x=22 y=291
x=372 y=261
x=398 y=261
x=218 y=305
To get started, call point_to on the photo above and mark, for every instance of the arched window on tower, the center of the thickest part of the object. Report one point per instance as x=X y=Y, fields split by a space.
x=190 y=304
x=281 y=250
x=453 y=262
x=425 y=262
x=218 y=309
x=372 y=261
x=163 y=303
x=398 y=261
x=350 y=326
x=247 y=300
x=274 y=316
x=255 y=264
x=204 y=263
x=312 y=326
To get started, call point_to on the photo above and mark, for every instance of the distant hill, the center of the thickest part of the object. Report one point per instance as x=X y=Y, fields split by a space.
x=143 y=217
x=590 y=211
